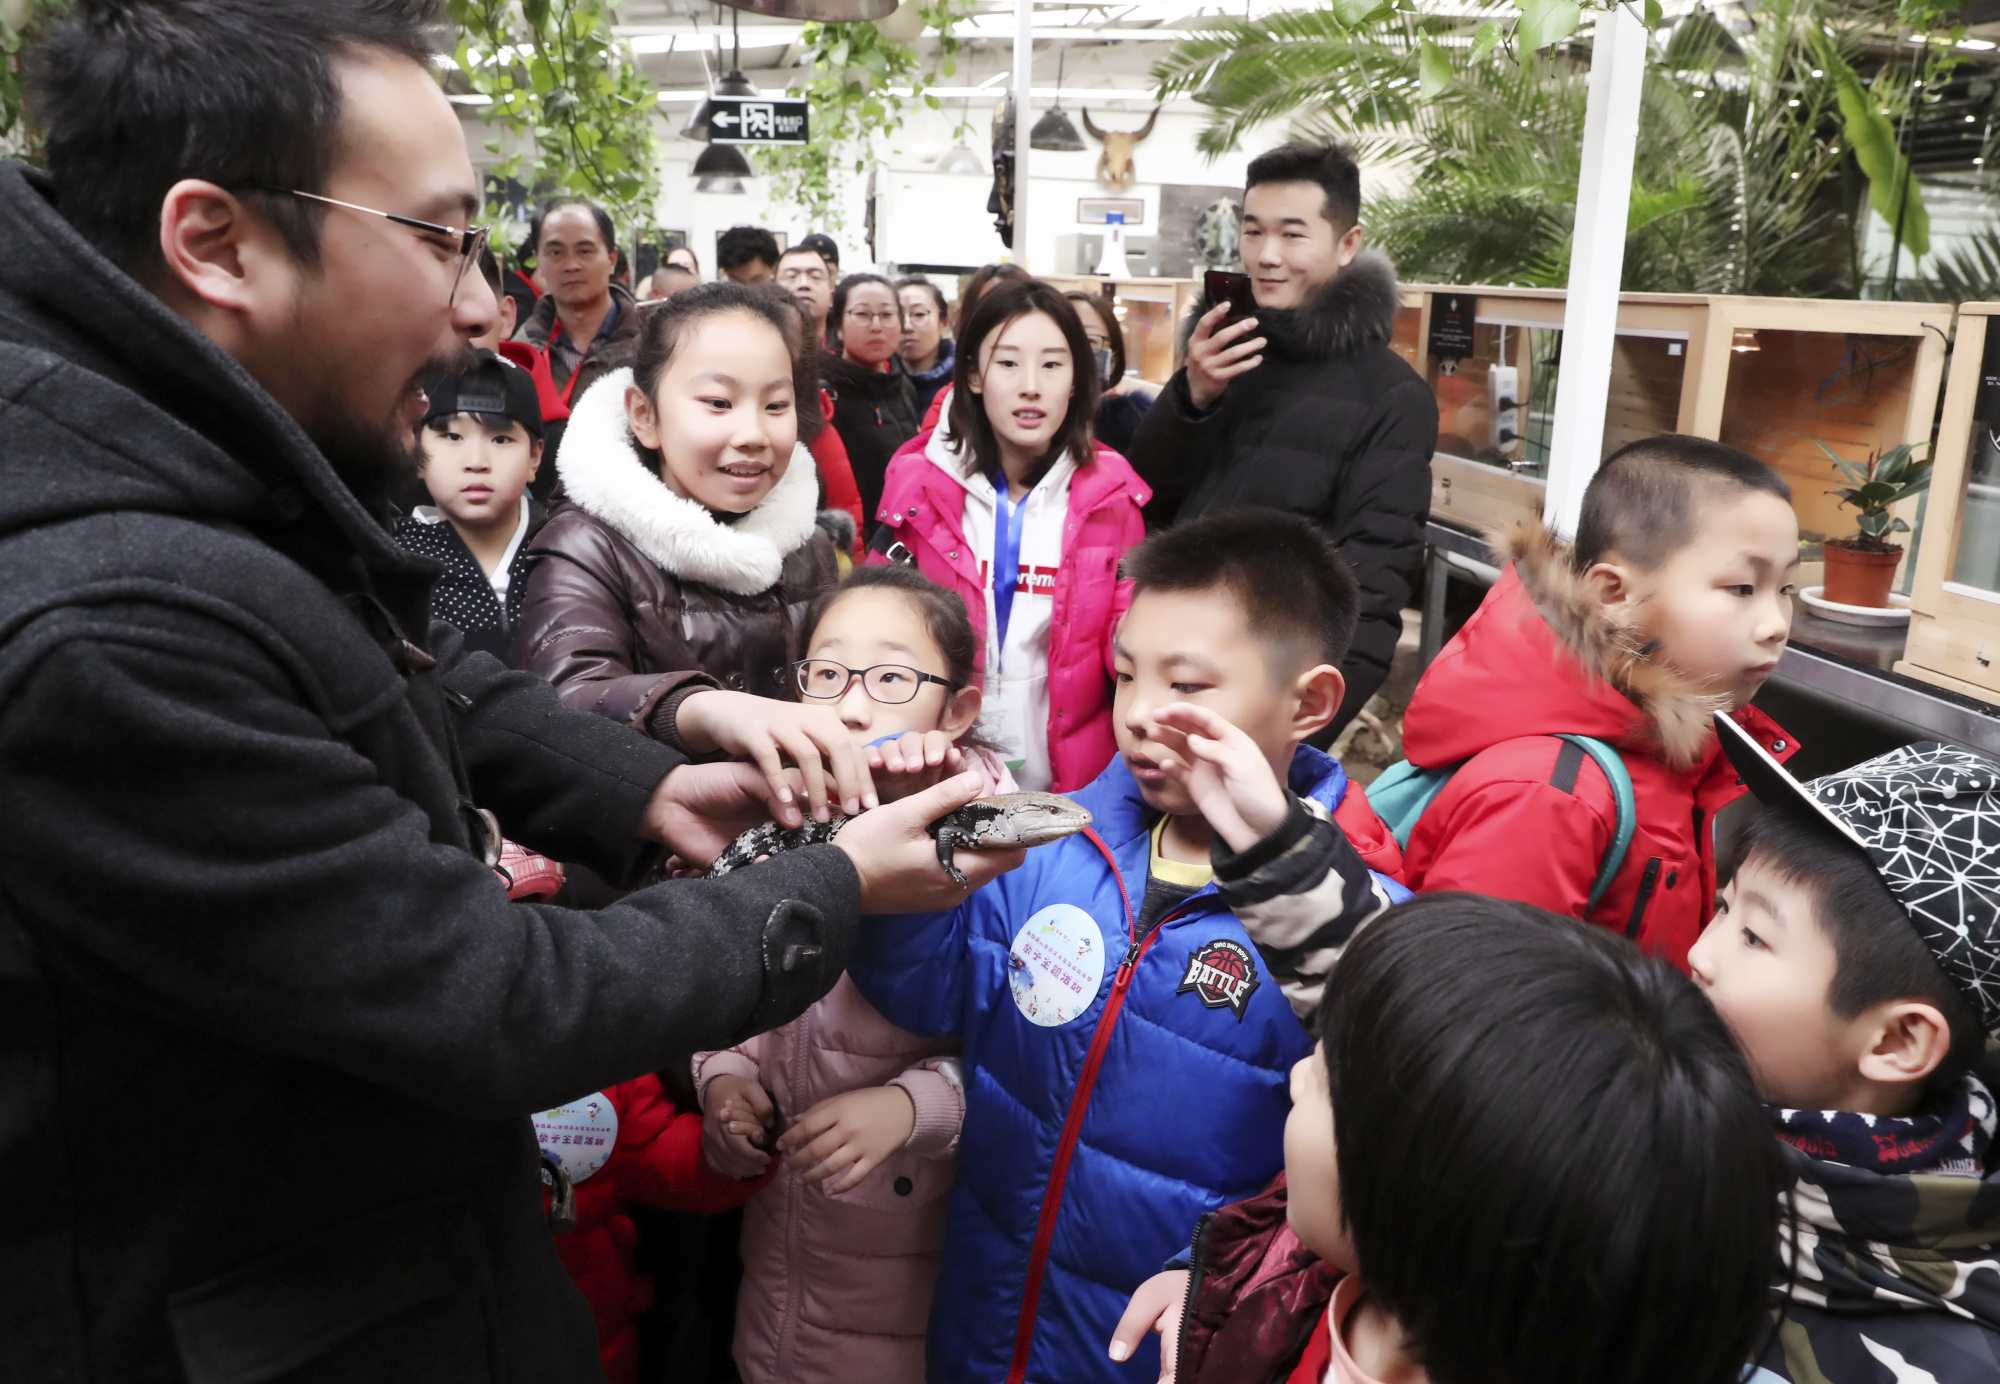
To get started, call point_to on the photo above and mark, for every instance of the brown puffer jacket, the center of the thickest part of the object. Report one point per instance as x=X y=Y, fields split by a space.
x=633 y=586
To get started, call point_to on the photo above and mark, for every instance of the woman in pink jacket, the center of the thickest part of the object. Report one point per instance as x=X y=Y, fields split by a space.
x=840 y=1249
x=1010 y=503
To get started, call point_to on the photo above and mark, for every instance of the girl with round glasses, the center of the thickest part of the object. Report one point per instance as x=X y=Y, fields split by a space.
x=860 y=1117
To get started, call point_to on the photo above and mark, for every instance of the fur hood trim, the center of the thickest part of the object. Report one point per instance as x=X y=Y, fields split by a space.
x=1356 y=310
x=1677 y=708
x=604 y=475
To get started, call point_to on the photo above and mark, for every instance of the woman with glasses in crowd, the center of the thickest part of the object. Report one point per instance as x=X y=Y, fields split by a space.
x=1125 y=397
x=874 y=405
x=927 y=352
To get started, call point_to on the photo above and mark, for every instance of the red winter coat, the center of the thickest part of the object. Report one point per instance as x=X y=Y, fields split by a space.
x=536 y=363
x=836 y=472
x=923 y=509
x=1525 y=820
x=656 y=1162
x=940 y=401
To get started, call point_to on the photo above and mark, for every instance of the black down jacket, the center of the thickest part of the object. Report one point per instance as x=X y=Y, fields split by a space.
x=1334 y=426
x=270 y=1031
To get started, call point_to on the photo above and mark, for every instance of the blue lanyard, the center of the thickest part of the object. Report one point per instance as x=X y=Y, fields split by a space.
x=1006 y=554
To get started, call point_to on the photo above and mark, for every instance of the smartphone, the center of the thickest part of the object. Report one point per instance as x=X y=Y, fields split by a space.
x=1227 y=286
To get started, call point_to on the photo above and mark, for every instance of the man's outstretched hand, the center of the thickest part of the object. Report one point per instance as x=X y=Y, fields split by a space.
x=896 y=856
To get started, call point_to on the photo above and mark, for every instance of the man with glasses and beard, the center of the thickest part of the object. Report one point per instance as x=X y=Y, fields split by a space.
x=270 y=1031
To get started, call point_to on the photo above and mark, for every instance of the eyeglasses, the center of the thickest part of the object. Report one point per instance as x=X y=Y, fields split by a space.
x=469 y=242
x=872 y=319
x=891 y=684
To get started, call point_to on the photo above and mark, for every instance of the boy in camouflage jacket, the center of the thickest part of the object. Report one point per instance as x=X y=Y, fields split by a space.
x=1856 y=956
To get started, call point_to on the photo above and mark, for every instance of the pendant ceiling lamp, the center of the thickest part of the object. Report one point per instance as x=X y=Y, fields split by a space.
x=960 y=158
x=733 y=84
x=1055 y=132
x=833 y=11
x=721 y=168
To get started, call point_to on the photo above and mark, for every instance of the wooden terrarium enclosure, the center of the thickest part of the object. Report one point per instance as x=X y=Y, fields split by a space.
x=1775 y=377
x=1955 y=598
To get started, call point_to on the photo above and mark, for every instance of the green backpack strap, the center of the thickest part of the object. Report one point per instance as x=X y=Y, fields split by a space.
x=1612 y=765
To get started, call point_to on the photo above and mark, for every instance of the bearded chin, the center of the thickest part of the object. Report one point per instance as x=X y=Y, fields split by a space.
x=375 y=460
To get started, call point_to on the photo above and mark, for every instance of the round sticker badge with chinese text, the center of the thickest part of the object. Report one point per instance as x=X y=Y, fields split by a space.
x=1056 y=964
x=579 y=1136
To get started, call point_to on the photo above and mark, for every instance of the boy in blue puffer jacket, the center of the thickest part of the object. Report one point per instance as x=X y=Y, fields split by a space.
x=1131 y=999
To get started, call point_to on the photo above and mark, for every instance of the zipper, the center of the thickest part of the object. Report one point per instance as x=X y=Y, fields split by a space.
x=1045 y=1225
x=1195 y=1271
x=1646 y=883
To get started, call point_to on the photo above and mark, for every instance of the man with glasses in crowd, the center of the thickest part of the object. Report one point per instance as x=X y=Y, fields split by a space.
x=270 y=1031
x=805 y=272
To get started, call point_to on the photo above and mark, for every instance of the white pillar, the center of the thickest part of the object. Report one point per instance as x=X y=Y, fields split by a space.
x=1024 y=119
x=1597 y=262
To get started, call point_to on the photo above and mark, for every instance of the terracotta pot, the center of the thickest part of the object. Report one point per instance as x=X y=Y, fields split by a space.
x=1860 y=576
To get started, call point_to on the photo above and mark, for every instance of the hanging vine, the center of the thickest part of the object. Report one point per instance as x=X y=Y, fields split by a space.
x=21 y=21
x=579 y=111
x=861 y=84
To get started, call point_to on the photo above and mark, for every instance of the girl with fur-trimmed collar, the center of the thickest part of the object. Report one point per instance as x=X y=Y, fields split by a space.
x=688 y=544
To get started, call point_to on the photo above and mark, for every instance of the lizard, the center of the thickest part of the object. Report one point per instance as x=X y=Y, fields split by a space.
x=1006 y=819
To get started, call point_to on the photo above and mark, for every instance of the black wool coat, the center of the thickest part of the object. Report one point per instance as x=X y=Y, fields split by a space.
x=875 y=412
x=1334 y=426
x=270 y=1030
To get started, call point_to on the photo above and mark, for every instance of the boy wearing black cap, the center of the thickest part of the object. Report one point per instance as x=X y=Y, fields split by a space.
x=1856 y=956
x=481 y=443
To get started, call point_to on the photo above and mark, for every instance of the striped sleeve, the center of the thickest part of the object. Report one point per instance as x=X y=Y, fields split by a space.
x=1302 y=893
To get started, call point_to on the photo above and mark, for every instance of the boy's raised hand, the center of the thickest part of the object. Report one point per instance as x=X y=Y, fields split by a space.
x=1223 y=771
x=912 y=762
x=1156 y=1306
x=736 y=1111
x=845 y=1137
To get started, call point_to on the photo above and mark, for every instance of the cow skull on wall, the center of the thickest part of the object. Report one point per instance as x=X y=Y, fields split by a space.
x=1114 y=165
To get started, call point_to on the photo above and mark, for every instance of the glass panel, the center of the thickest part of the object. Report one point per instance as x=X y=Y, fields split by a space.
x=1480 y=398
x=1976 y=563
x=1149 y=327
x=1407 y=335
x=1791 y=390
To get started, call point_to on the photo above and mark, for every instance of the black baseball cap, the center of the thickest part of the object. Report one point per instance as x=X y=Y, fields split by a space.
x=491 y=384
x=821 y=244
x=1927 y=816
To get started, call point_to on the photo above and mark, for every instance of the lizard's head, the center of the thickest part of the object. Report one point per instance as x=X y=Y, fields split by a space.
x=1025 y=819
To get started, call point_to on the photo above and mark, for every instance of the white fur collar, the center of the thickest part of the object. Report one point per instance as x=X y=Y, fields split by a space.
x=603 y=475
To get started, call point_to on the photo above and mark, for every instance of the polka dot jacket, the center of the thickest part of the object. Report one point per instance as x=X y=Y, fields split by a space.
x=463 y=596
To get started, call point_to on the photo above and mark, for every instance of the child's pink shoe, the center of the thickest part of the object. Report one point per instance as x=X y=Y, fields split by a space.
x=528 y=875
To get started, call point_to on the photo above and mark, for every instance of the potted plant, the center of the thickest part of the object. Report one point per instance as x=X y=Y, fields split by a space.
x=1859 y=570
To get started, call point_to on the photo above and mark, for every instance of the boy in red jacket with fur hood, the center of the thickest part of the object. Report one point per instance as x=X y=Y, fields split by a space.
x=1674 y=603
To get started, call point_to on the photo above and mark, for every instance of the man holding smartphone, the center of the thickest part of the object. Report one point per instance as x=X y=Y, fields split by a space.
x=1291 y=397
